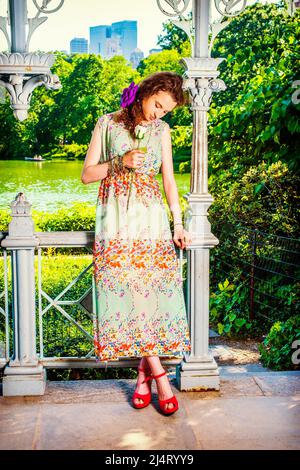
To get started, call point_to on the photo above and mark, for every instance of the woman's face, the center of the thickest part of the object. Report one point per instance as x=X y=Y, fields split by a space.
x=158 y=105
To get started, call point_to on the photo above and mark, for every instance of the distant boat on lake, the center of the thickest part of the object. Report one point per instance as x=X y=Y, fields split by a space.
x=36 y=158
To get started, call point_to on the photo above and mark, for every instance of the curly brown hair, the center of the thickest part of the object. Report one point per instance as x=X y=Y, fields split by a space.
x=159 y=81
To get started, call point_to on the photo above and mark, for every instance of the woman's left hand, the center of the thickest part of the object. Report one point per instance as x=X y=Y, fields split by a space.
x=181 y=237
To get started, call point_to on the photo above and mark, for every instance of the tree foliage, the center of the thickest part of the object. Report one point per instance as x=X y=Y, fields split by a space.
x=173 y=37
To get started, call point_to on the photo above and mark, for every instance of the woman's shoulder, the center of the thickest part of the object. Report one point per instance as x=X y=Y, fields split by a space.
x=106 y=118
x=162 y=124
x=112 y=115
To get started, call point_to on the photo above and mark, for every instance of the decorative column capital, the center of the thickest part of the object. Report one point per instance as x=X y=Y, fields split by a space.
x=21 y=227
x=20 y=71
x=200 y=79
x=20 y=74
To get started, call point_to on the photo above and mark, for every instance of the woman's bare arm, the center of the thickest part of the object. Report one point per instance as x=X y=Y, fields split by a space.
x=181 y=237
x=167 y=170
x=92 y=170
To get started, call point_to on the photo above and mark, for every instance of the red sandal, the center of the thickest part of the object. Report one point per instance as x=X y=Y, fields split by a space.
x=162 y=403
x=146 y=397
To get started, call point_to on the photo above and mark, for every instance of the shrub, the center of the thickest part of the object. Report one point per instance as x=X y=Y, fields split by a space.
x=277 y=348
x=265 y=198
x=184 y=167
x=227 y=309
x=75 y=150
x=78 y=217
x=5 y=218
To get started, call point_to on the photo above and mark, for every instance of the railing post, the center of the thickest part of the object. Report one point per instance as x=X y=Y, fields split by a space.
x=252 y=273
x=23 y=375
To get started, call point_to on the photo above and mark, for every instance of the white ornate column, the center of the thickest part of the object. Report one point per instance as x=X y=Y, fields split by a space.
x=23 y=375
x=199 y=370
x=22 y=71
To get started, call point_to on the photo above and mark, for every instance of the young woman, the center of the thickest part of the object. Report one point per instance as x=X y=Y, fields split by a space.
x=139 y=308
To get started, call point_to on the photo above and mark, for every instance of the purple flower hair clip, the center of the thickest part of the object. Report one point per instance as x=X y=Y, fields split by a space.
x=128 y=95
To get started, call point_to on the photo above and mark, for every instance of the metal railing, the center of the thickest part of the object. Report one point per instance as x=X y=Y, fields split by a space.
x=268 y=266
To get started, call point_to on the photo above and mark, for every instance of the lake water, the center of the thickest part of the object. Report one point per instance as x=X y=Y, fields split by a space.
x=51 y=185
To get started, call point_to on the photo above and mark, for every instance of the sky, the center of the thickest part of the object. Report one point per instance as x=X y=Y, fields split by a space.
x=76 y=16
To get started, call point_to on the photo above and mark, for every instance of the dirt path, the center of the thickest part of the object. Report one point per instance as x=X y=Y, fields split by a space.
x=232 y=351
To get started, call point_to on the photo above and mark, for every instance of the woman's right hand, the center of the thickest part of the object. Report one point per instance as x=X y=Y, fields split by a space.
x=133 y=158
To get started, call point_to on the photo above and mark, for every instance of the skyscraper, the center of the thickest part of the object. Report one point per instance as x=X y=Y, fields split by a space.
x=79 y=45
x=136 y=56
x=98 y=36
x=112 y=47
x=118 y=39
x=127 y=32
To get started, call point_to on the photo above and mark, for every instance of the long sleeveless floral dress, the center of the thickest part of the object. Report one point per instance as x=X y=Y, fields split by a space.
x=138 y=302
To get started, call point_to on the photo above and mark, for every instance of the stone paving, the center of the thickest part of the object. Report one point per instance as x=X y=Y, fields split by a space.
x=254 y=409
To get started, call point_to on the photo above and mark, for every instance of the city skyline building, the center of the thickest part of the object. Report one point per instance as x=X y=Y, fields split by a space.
x=112 y=47
x=136 y=56
x=78 y=45
x=98 y=36
x=119 y=38
x=126 y=31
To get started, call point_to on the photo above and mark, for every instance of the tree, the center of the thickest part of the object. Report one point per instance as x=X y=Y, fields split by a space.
x=173 y=37
x=260 y=121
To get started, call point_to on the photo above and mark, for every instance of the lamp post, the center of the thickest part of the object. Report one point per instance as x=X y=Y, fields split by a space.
x=22 y=71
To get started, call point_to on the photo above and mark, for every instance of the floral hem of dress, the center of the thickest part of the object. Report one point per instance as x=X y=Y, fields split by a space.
x=173 y=355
